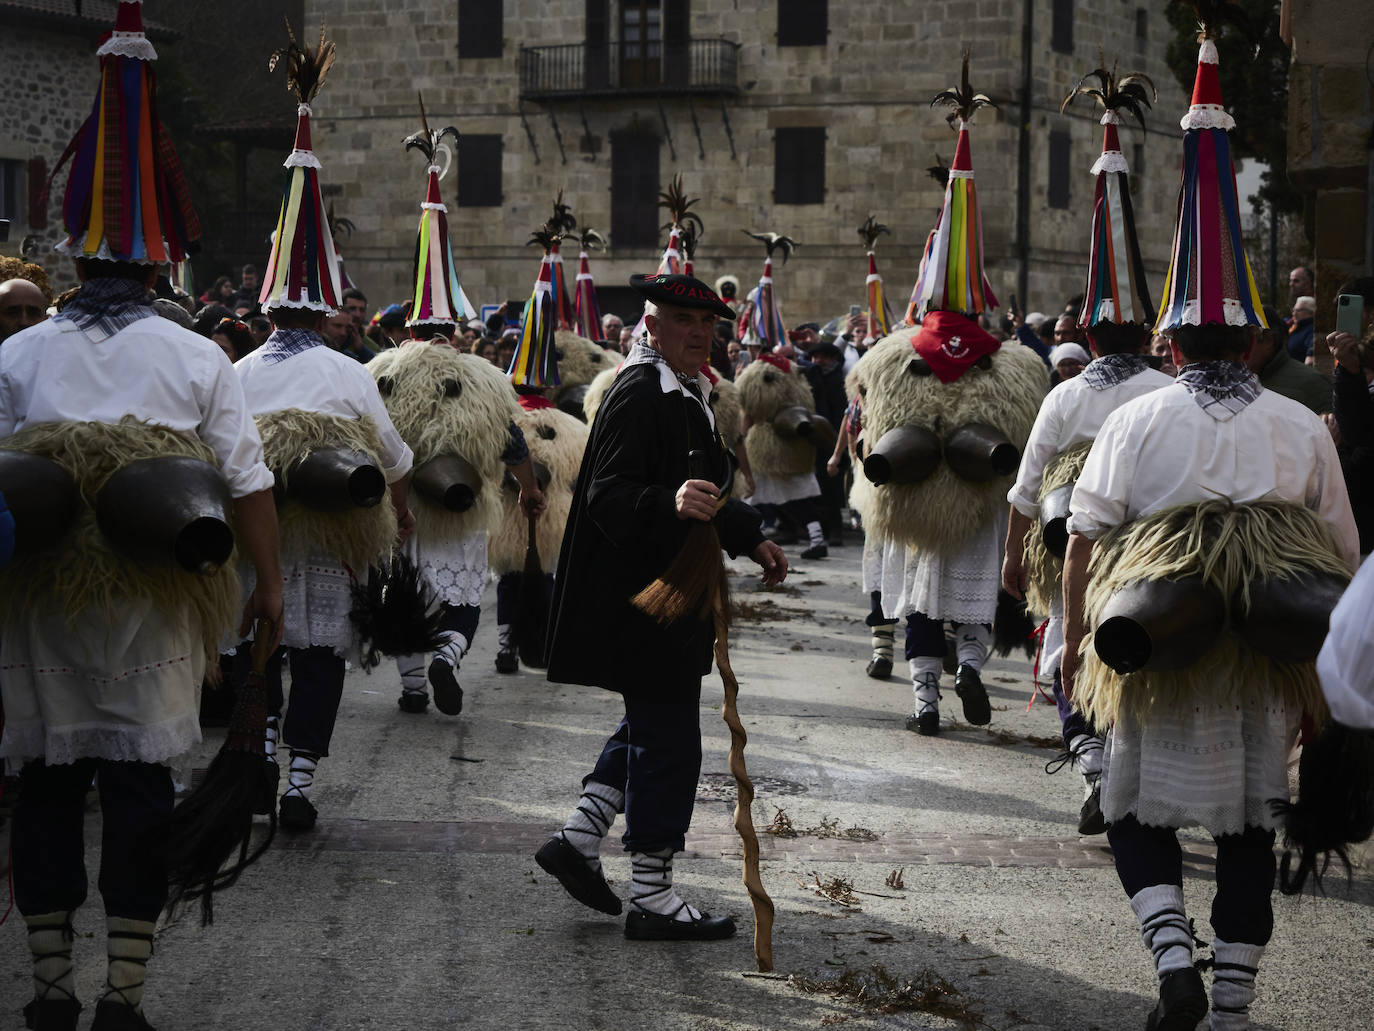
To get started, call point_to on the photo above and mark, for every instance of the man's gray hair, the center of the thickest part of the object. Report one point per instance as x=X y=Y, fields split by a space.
x=650 y=308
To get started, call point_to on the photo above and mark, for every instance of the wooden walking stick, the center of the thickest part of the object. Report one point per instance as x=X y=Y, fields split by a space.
x=695 y=586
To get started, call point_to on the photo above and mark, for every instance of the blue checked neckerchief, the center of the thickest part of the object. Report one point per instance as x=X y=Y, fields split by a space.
x=1220 y=386
x=283 y=343
x=103 y=306
x=1112 y=370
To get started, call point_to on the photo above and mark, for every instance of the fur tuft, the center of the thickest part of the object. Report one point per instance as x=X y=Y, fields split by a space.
x=1044 y=572
x=556 y=440
x=1229 y=547
x=764 y=391
x=1334 y=808
x=579 y=362
x=359 y=537
x=941 y=512
x=83 y=572
x=729 y=414
x=395 y=613
x=475 y=424
x=596 y=393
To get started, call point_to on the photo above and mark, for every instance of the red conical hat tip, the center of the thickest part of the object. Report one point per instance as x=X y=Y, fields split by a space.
x=963 y=156
x=1207 y=84
x=129 y=17
x=432 y=194
x=545 y=270
x=768 y=267
x=302 y=131
x=1110 y=140
x=872 y=264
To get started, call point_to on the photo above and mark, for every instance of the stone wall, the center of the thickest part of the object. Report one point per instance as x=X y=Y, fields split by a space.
x=1331 y=139
x=869 y=87
x=48 y=79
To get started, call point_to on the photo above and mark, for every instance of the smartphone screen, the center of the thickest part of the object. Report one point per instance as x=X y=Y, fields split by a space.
x=1349 y=314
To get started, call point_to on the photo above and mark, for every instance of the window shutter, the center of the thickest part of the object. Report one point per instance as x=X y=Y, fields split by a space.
x=803 y=23
x=481 y=24
x=634 y=190
x=479 y=170
x=799 y=165
x=1059 y=169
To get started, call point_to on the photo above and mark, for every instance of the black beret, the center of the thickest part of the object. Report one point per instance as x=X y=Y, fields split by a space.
x=681 y=292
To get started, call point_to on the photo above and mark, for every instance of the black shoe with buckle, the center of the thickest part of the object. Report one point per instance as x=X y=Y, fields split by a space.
x=413 y=701
x=968 y=685
x=644 y=926
x=1182 y=1002
x=116 y=1016
x=297 y=813
x=52 y=1014
x=507 y=661
x=579 y=880
x=448 y=696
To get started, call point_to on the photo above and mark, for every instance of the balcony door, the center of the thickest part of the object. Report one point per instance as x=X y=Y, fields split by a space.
x=641 y=42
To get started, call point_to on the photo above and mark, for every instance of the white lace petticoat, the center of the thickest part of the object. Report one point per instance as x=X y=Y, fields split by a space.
x=961 y=587
x=456 y=570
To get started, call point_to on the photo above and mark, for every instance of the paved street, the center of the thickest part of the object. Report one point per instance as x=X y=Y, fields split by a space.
x=416 y=902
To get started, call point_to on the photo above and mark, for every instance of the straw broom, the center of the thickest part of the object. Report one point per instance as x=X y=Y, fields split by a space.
x=695 y=586
x=216 y=819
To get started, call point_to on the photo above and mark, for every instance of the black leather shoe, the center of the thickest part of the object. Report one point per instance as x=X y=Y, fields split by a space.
x=879 y=669
x=816 y=551
x=1090 y=818
x=448 y=696
x=297 y=814
x=926 y=723
x=52 y=1014
x=1182 y=1002
x=507 y=661
x=413 y=701
x=651 y=927
x=968 y=685
x=579 y=880
x=115 y=1016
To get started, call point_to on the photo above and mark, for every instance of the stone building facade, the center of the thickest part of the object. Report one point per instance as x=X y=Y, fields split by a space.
x=579 y=114
x=1331 y=139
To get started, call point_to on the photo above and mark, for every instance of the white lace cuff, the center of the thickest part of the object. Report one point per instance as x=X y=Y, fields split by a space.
x=301 y=159
x=1207 y=116
x=128 y=44
x=1111 y=161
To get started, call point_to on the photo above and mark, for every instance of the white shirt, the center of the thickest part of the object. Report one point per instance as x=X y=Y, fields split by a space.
x=152 y=369
x=1071 y=413
x=1163 y=449
x=1346 y=662
x=322 y=380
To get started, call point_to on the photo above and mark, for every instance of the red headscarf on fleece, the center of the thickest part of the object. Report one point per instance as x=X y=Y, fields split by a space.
x=950 y=343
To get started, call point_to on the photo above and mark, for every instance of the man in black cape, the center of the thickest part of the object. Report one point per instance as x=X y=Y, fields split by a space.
x=654 y=463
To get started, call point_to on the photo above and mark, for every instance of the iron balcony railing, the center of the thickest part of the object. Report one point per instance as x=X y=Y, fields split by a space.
x=699 y=66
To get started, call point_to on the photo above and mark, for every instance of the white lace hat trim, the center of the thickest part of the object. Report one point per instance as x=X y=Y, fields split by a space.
x=128 y=44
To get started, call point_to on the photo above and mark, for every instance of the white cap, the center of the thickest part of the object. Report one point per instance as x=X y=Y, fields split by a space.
x=1063 y=352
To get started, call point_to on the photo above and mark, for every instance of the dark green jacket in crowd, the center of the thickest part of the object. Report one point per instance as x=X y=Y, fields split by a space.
x=1302 y=383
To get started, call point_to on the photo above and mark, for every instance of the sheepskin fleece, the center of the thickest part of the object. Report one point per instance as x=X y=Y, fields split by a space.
x=83 y=573
x=579 y=361
x=596 y=393
x=1045 y=572
x=942 y=512
x=729 y=415
x=557 y=440
x=474 y=425
x=764 y=391
x=358 y=537
x=1229 y=547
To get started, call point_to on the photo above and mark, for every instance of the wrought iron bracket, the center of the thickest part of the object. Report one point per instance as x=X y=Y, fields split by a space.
x=729 y=133
x=558 y=135
x=696 y=127
x=529 y=133
x=667 y=132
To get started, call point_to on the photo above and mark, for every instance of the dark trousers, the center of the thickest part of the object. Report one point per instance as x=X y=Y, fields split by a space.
x=317 y=677
x=654 y=756
x=49 y=845
x=832 y=494
x=1241 y=908
x=799 y=512
x=508 y=588
x=1071 y=721
x=925 y=637
x=462 y=619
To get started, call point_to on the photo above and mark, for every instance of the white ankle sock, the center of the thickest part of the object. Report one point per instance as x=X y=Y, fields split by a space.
x=129 y=944
x=652 y=889
x=813 y=531
x=270 y=737
x=302 y=776
x=883 y=635
x=50 y=944
x=453 y=649
x=591 y=821
x=972 y=644
x=1087 y=754
x=1164 y=926
x=1233 y=984
x=412 y=671
x=925 y=682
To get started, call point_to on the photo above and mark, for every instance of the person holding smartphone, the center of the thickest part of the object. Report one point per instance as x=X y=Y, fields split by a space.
x=1352 y=419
